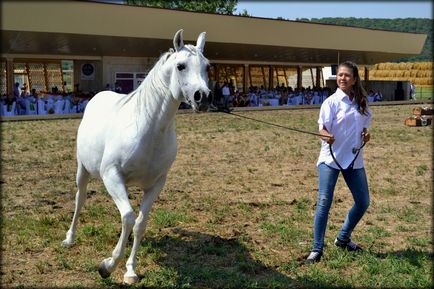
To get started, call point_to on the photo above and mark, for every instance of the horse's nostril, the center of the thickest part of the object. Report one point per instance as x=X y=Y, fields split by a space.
x=204 y=96
x=197 y=96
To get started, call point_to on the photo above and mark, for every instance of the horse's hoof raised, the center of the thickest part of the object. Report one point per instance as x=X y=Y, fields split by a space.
x=130 y=280
x=102 y=270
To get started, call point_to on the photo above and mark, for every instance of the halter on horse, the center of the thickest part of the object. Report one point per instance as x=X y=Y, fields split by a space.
x=131 y=140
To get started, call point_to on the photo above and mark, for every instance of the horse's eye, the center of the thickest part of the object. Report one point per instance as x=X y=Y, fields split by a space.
x=181 y=66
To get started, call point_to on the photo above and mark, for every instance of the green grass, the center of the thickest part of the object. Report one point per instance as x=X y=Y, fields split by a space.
x=424 y=93
x=236 y=212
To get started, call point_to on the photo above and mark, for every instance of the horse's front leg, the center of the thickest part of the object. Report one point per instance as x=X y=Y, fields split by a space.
x=150 y=196
x=115 y=186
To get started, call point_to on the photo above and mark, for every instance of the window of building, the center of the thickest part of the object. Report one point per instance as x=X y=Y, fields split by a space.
x=42 y=75
x=129 y=81
x=68 y=74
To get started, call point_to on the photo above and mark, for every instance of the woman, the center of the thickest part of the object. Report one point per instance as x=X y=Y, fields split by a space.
x=343 y=121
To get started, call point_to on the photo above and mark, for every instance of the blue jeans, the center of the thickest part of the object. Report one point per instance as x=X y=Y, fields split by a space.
x=358 y=185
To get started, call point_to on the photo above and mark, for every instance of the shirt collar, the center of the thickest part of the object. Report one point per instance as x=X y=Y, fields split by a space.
x=341 y=95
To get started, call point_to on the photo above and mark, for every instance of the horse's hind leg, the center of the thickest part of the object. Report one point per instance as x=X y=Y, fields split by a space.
x=150 y=196
x=115 y=186
x=80 y=198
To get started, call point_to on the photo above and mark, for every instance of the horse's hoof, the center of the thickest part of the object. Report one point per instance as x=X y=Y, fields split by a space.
x=102 y=270
x=67 y=243
x=130 y=280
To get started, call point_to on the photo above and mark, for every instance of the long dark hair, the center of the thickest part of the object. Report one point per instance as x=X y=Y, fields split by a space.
x=359 y=92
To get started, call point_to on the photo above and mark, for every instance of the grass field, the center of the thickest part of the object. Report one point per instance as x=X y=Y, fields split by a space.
x=425 y=92
x=236 y=212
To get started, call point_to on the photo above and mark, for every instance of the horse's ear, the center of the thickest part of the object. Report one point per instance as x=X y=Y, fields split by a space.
x=178 y=42
x=201 y=41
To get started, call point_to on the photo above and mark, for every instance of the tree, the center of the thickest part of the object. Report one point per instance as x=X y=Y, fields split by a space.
x=212 y=6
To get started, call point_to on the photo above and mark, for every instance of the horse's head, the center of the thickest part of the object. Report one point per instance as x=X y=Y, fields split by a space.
x=189 y=73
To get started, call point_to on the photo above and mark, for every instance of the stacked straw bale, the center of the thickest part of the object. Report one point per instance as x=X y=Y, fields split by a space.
x=420 y=73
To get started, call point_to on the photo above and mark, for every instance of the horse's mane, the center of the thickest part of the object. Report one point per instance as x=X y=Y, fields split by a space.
x=150 y=85
x=153 y=85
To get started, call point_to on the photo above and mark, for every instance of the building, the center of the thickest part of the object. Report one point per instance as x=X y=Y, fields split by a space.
x=61 y=44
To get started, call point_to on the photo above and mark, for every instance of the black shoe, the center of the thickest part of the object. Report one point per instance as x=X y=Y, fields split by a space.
x=348 y=245
x=313 y=257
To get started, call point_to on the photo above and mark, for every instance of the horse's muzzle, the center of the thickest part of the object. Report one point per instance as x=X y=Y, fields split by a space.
x=201 y=98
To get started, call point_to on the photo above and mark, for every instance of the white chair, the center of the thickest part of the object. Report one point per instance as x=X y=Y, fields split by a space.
x=274 y=101
x=11 y=111
x=30 y=106
x=82 y=105
x=58 y=106
x=315 y=98
x=67 y=106
x=49 y=105
x=297 y=99
x=41 y=107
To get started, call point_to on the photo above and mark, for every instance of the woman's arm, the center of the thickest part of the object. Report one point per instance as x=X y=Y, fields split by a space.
x=327 y=137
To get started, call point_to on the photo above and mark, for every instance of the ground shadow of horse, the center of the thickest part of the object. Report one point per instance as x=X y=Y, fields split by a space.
x=201 y=260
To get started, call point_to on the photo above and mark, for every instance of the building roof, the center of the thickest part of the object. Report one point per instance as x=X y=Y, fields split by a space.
x=93 y=29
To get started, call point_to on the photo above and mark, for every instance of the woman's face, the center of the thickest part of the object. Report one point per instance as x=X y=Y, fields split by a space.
x=345 y=79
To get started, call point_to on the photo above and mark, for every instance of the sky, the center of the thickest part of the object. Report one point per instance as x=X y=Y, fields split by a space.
x=319 y=9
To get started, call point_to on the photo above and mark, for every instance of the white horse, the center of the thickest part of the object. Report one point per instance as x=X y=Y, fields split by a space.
x=131 y=140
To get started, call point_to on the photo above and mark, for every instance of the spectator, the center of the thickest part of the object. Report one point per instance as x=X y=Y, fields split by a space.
x=217 y=95
x=17 y=92
x=118 y=87
x=10 y=103
x=412 y=91
x=21 y=103
x=226 y=94
x=378 y=96
x=371 y=96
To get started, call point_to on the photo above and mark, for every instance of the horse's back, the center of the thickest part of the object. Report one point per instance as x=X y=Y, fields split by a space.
x=102 y=105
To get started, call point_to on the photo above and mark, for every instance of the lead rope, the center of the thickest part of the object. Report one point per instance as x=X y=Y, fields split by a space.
x=278 y=125
x=301 y=131
x=352 y=163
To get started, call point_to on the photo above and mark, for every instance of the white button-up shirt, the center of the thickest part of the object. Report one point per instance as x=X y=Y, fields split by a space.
x=339 y=115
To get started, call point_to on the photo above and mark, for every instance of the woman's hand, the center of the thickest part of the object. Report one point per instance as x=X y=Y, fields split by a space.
x=365 y=135
x=330 y=139
x=326 y=136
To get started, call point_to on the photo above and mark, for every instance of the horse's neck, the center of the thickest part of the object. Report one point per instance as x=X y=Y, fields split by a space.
x=155 y=105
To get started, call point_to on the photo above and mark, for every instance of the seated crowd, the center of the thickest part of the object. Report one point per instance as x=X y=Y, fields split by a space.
x=259 y=96
x=54 y=102
x=228 y=96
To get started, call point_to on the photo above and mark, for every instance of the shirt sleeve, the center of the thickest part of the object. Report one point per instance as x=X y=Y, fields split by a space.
x=368 y=118
x=325 y=116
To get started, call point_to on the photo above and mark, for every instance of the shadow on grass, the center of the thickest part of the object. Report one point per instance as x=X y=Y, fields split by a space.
x=415 y=257
x=206 y=261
